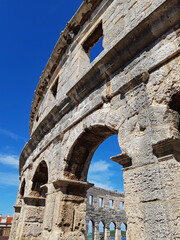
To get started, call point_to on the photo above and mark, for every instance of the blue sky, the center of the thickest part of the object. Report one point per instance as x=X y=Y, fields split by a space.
x=103 y=171
x=29 y=31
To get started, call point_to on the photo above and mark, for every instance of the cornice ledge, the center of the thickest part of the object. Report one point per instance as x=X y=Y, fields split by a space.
x=123 y=159
x=166 y=147
x=69 y=182
x=34 y=201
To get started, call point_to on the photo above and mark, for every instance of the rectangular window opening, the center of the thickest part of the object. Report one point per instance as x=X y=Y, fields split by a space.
x=91 y=200
x=93 y=46
x=121 y=205
x=111 y=203
x=55 y=88
x=96 y=50
x=100 y=202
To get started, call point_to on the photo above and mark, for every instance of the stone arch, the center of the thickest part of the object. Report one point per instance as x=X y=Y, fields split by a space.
x=39 y=180
x=82 y=150
x=78 y=160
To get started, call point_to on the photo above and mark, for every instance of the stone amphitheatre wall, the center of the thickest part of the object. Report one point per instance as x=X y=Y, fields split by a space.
x=108 y=210
x=131 y=89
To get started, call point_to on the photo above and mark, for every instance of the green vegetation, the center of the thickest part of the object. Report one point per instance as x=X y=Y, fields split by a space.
x=123 y=234
x=101 y=236
x=112 y=233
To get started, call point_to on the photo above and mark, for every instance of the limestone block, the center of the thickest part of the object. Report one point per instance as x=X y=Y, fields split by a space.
x=32 y=230
x=34 y=214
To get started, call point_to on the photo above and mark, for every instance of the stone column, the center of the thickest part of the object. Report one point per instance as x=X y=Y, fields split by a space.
x=152 y=191
x=87 y=228
x=93 y=227
x=15 y=223
x=71 y=220
x=106 y=232
x=118 y=234
x=32 y=217
x=96 y=231
x=49 y=212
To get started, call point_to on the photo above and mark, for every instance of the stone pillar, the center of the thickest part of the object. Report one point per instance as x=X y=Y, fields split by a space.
x=71 y=220
x=49 y=212
x=106 y=232
x=96 y=231
x=87 y=228
x=15 y=223
x=118 y=234
x=32 y=218
x=152 y=190
x=93 y=227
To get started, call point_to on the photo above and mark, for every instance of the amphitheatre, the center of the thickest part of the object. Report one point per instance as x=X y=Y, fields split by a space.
x=132 y=88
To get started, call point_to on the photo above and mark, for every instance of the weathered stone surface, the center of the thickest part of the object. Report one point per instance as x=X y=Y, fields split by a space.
x=131 y=89
x=107 y=213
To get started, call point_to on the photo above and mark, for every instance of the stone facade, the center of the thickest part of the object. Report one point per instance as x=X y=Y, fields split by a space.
x=131 y=89
x=104 y=206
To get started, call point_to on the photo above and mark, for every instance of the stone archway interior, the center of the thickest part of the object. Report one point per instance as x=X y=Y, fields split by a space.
x=78 y=160
x=40 y=179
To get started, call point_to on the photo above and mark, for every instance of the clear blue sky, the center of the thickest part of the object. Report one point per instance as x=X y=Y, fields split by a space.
x=29 y=31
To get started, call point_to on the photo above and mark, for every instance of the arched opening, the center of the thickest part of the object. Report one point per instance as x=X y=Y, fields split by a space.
x=104 y=172
x=39 y=180
x=81 y=153
x=91 y=230
x=123 y=231
x=89 y=160
x=22 y=189
x=112 y=231
x=101 y=231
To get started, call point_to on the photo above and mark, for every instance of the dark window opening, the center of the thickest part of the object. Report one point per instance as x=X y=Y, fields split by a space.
x=22 y=190
x=175 y=105
x=55 y=88
x=37 y=118
x=94 y=44
x=40 y=178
